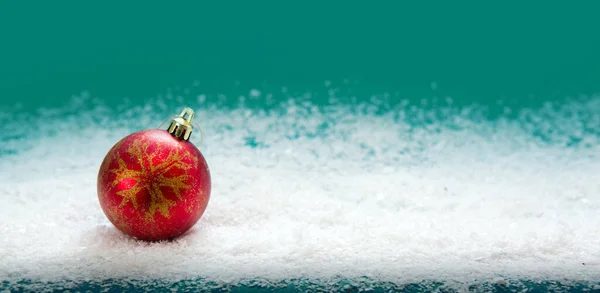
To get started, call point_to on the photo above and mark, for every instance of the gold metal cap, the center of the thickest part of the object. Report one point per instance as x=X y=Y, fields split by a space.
x=181 y=126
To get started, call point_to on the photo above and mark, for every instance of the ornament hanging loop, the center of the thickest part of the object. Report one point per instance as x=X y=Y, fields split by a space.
x=181 y=126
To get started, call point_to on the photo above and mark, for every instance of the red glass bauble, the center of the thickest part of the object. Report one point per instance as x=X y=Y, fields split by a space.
x=154 y=185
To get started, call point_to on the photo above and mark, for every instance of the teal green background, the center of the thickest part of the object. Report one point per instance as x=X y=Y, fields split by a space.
x=476 y=52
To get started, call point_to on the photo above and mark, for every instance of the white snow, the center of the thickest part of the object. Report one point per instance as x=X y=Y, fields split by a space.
x=327 y=192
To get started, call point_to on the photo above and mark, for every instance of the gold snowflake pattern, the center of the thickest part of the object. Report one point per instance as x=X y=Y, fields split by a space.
x=153 y=178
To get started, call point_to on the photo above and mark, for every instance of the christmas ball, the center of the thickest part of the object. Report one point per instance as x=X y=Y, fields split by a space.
x=155 y=184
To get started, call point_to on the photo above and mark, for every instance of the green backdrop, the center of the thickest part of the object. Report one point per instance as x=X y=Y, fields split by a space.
x=473 y=51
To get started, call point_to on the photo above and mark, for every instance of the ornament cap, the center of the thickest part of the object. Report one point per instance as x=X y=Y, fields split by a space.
x=181 y=126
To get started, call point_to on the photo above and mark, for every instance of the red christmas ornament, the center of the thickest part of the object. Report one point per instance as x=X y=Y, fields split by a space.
x=155 y=184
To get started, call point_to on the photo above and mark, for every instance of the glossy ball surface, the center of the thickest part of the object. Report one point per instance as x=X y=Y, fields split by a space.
x=154 y=186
